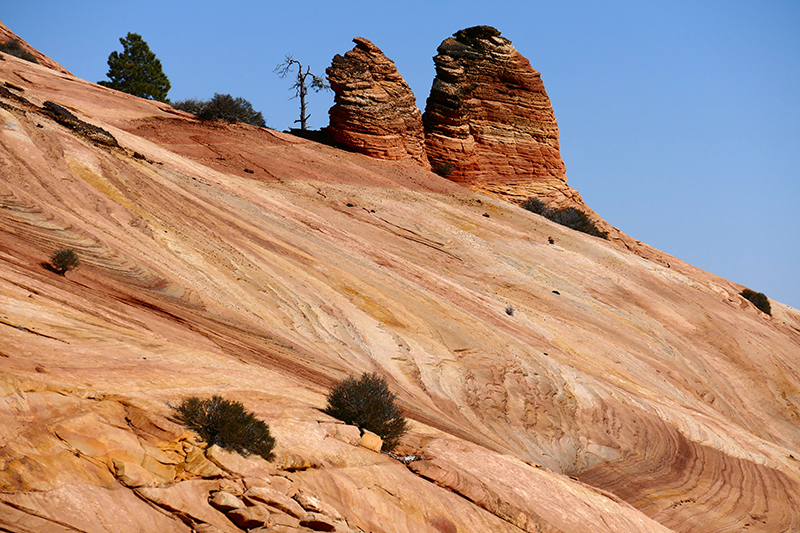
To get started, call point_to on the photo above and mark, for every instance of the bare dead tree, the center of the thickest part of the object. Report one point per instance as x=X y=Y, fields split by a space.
x=300 y=85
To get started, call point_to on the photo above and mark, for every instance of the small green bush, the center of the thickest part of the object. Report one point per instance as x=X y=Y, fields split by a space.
x=63 y=260
x=570 y=217
x=227 y=424
x=222 y=107
x=12 y=47
x=759 y=299
x=368 y=403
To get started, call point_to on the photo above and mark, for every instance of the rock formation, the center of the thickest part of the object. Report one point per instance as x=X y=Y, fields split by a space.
x=490 y=125
x=488 y=117
x=620 y=396
x=375 y=112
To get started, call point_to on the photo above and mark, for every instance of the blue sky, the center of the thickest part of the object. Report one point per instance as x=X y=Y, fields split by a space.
x=680 y=120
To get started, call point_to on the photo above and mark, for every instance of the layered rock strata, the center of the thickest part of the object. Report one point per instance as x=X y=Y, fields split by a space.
x=619 y=396
x=489 y=124
x=375 y=111
x=488 y=117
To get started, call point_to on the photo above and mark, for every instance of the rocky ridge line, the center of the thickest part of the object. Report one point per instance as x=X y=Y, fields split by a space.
x=663 y=386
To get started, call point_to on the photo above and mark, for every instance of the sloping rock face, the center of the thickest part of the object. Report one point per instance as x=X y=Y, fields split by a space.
x=375 y=111
x=619 y=396
x=488 y=118
x=6 y=34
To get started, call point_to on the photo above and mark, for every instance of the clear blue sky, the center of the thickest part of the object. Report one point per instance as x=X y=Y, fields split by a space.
x=680 y=120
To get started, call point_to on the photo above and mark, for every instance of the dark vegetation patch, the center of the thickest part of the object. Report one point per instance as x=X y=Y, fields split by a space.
x=367 y=403
x=759 y=299
x=63 y=260
x=570 y=217
x=14 y=48
x=227 y=424
x=222 y=107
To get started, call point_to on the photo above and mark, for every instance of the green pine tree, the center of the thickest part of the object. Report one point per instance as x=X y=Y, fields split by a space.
x=136 y=70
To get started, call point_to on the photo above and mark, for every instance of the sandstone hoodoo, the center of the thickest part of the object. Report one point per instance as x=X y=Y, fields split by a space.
x=488 y=117
x=375 y=111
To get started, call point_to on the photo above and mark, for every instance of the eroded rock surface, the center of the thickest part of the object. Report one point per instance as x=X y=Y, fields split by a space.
x=621 y=395
x=375 y=111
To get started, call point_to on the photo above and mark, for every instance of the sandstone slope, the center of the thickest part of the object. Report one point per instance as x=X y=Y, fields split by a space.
x=567 y=387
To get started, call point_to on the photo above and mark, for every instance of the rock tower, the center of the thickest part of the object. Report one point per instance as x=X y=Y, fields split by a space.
x=375 y=111
x=488 y=117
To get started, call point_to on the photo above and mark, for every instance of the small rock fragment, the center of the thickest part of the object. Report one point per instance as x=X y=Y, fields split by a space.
x=225 y=501
x=250 y=517
x=318 y=522
x=371 y=441
x=275 y=499
x=312 y=504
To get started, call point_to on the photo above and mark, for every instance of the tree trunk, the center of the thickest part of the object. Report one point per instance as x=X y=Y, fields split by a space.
x=301 y=79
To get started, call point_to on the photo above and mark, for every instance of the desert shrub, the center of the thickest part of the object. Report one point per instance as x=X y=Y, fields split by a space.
x=190 y=105
x=577 y=220
x=63 y=260
x=759 y=299
x=368 y=403
x=570 y=217
x=222 y=107
x=534 y=205
x=227 y=424
x=12 y=47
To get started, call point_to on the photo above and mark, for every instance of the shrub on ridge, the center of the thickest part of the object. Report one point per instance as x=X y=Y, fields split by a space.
x=222 y=107
x=227 y=424
x=759 y=299
x=14 y=48
x=570 y=217
x=368 y=403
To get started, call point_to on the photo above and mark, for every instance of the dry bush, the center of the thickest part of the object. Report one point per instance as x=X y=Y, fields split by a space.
x=570 y=217
x=12 y=47
x=368 y=403
x=227 y=424
x=63 y=260
x=759 y=299
x=222 y=107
